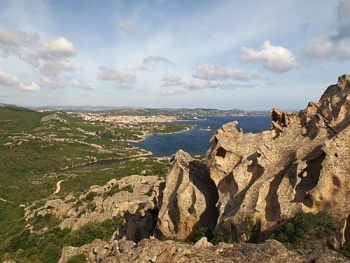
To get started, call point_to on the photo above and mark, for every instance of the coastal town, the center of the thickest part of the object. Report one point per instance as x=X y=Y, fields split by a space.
x=97 y=117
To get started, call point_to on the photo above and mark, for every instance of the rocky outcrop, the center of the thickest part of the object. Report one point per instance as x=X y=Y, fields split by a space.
x=299 y=164
x=188 y=200
x=153 y=250
x=133 y=196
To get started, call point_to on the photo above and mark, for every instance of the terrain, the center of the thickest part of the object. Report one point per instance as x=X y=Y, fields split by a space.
x=276 y=196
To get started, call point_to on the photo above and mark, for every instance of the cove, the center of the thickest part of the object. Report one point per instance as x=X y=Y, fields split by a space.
x=196 y=140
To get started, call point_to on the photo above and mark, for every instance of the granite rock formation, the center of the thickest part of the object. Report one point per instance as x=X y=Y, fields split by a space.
x=299 y=164
x=153 y=250
x=78 y=211
x=188 y=200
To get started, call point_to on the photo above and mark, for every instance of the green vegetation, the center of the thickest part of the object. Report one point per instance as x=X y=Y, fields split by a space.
x=252 y=228
x=47 y=246
x=37 y=150
x=205 y=232
x=306 y=230
x=81 y=258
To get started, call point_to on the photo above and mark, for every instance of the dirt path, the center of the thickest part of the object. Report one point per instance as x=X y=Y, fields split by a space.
x=58 y=187
x=1 y=199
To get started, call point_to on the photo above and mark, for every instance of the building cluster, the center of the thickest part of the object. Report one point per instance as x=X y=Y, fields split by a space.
x=92 y=117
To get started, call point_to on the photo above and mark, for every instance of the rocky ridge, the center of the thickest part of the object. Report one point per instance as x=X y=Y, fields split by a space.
x=300 y=164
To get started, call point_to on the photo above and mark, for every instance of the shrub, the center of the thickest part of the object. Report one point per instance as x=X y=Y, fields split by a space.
x=202 y=232
x=51 y=253
x=80 y=258
x=229 y=239
x=252 y=229
x=84 y=235
x=305 y=230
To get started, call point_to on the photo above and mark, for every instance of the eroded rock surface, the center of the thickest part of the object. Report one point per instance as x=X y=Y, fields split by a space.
x=136 y=196
x=301 y=163
x=188 y=200
x=153 y=250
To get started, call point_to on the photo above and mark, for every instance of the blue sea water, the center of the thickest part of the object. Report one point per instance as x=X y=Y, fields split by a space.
x=196 y=141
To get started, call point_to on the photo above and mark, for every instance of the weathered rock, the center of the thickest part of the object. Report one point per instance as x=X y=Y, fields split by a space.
x=140 y=202
x=188 y=201
x=152 y=250
x=299 y=164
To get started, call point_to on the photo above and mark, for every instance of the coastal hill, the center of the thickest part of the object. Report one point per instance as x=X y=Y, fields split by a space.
x=139 y=111
x=289 y=183
x=275 y=196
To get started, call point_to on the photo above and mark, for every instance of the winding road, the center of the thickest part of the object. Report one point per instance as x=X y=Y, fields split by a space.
x=58 y=187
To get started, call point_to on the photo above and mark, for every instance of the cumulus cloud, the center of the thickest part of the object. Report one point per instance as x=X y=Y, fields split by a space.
x=156 y=60
x=56 y=48
x=13 y=81
x=172 y=92
x=127 y=26
x=48 y=58
x=171 y=80
x=78 y=85
x=275 y=58
x=16 y=42
x=342 y=26
x=326 y=48
x=221 y=73
x=334 y=44
x=122 y=80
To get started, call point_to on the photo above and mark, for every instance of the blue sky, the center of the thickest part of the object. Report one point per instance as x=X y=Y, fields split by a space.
x=225 y=54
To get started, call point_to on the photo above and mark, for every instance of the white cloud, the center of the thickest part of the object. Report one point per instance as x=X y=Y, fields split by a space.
x=3 y=95
x=127 y=26
x=49 y=59
x=77 y=85
x=326 y=48
x=221 y=73
x=16 y=42
x=197 y=85
x=122 y=80
x=56 y=48
x=13 y=81
x=172 y=92
x=275 y=58
x=29 y=86
x=171 y=80
x=155 y=59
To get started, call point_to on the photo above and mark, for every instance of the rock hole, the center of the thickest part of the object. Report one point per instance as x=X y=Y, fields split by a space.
x=308 y=201
x=221 y=152
x=336 y=155
x=336 y=181
x=347 y=231
x=309 y=177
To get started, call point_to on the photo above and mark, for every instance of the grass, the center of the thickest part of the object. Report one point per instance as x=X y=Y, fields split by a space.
x=35 y=154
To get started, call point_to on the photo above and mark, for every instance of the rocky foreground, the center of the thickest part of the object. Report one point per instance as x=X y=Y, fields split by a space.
x=300 y=164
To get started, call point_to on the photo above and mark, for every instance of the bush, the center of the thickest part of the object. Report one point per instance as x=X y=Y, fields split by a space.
x=51 y=253
x=252 y=229
x=305 y=230
x=84 y=235
x=229 y=239
x=202 y=232
x=80 y=258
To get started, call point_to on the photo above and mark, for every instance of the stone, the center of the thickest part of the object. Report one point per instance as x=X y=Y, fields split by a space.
x=298 y=165
x=188 y=200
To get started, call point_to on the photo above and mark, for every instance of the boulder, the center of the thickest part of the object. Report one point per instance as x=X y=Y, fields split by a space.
x=188 y=200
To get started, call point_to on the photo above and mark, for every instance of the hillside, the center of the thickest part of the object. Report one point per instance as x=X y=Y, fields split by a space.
x=275 y=196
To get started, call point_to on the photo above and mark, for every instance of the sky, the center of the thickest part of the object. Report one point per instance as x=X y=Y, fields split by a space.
x=224 y=54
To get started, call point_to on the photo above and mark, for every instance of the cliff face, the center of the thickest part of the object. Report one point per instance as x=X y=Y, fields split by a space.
x=301 y=163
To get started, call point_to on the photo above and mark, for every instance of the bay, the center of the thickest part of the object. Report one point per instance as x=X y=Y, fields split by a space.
x=196 y=140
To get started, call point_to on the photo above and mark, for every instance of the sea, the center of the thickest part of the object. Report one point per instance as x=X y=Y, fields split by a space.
x=196 y=140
